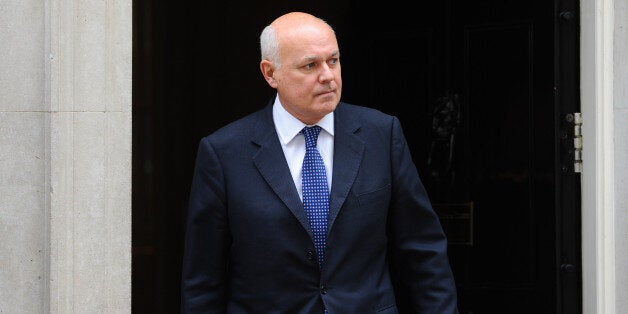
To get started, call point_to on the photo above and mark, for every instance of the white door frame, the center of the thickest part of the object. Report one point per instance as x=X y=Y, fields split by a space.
x=598 y=213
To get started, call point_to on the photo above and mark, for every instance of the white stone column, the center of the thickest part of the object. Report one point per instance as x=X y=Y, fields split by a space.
x=620 y=105
x=23 y=159
x=65 y=151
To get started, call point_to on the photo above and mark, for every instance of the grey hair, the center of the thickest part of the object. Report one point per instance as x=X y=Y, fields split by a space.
x=269 y=45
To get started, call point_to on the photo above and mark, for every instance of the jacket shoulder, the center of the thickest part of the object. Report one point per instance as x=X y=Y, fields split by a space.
x=366 y=116
x=242 y=128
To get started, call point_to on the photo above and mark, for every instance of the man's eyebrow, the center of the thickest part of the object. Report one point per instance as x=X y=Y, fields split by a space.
x=315 y=57
x=311 y=58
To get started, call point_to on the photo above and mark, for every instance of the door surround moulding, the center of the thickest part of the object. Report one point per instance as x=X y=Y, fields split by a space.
x=598 y=213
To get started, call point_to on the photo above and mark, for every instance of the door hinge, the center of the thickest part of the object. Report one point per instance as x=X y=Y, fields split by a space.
x=577 y=142
x=572 y=128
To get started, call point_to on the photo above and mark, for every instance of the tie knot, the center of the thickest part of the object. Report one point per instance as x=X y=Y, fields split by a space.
x=311 y=135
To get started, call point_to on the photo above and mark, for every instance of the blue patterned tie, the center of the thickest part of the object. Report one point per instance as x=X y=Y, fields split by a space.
x=315 y=191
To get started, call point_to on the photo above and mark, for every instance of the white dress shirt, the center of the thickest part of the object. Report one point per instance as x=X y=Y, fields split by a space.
x=293 y=142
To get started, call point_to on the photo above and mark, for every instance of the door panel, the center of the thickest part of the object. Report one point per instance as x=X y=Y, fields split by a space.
x=474 y=88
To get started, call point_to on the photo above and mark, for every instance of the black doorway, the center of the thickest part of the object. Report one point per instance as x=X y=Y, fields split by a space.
x=485 y=91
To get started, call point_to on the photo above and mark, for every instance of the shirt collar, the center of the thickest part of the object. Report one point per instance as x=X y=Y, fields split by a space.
x=288 y=126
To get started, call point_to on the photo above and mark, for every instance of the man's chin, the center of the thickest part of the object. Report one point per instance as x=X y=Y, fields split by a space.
x=328 y=100
x=329 y=106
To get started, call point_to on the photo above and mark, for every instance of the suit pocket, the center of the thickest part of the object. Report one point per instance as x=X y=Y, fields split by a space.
x=371 y=212
x=379 y=197
x=388 y=310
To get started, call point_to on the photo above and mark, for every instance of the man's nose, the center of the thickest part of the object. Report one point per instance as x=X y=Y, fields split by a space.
x=326 y=74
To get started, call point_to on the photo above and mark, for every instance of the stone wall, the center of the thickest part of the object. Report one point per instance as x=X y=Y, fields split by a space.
x=65 y=151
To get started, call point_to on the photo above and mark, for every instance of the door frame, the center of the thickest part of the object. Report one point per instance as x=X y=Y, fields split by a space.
x=598 y=213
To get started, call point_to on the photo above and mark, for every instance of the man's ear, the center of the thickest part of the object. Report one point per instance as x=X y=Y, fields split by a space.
x=268 y=70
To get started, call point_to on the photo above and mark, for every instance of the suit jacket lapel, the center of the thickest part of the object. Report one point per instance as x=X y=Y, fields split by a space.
x=348 y=152
x=272 y=165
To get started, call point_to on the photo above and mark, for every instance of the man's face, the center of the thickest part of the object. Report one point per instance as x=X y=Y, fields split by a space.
x=309 y=81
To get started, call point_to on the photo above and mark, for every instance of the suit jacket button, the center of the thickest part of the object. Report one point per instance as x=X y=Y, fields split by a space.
x=323 y=289
x=310 y=255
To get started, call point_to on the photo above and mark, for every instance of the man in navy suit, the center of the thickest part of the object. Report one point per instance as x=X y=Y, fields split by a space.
x=251 y=245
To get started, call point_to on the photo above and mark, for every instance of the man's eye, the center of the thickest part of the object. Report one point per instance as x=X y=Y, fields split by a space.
x=333 y=60
x=309 y=65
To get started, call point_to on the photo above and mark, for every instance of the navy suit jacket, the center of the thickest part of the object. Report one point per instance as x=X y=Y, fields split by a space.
x=248 y=244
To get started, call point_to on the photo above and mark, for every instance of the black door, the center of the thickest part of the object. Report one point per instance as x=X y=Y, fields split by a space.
x=485 y=91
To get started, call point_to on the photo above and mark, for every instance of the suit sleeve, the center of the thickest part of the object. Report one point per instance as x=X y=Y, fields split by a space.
x=207 y=239
x=419 y=245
